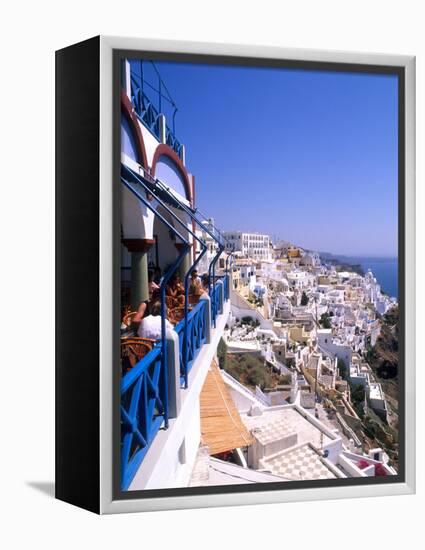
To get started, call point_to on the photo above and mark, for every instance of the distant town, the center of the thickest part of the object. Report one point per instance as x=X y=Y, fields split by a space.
x=319 y=334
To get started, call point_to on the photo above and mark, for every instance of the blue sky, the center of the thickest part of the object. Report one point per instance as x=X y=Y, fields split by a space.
x=306 y=156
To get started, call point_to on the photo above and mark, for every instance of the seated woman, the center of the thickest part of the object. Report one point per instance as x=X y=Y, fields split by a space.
x=205 y=281
x=150 y=326
x=142 y=312
x=153 y=287
x=195 y=288
x=175 y=291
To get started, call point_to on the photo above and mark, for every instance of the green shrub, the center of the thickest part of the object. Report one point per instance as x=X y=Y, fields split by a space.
x=285 y=379
x=222 y=353
x=247 y=320
x=325 y=320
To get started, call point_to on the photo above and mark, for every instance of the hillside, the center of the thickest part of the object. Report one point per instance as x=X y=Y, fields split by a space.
x=383 y=356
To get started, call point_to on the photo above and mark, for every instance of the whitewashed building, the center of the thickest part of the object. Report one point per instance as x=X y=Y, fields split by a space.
x=251 y=245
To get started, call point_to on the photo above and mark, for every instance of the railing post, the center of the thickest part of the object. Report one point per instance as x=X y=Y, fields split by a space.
x=126 y=78
x=162 y=128
x=220 y=284
x=173 y=365
x=207 y=317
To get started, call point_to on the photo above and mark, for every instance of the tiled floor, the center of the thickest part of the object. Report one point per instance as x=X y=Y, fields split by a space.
x=299 y=464
x=278 y=423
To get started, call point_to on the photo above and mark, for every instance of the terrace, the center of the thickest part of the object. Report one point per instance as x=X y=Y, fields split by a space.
x=158 y=410
x=153 y=390
x=164 y=240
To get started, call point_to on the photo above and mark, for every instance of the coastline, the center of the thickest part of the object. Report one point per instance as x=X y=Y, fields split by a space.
x=385 y=269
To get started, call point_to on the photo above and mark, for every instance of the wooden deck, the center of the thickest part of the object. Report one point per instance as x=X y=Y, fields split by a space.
x=221 y=426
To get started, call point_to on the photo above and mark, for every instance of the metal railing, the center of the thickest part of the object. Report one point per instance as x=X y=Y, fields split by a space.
x=148 y=113
x=190 y=345
x=214 y=233
x=216 y=301
x=143 y=183
x=226 y=286
x=135 y=421
x=144 y=390
x=143 y=404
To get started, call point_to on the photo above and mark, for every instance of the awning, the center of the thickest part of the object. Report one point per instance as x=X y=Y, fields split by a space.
x=221 y=426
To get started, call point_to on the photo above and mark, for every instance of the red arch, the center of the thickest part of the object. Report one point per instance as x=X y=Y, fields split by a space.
x=165 y=151
x=128 y=111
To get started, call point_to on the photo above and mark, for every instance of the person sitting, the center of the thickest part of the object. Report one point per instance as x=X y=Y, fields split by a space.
x=195 y=288
x=153 y=287
x=142 y=311
x=195 y=276
x=175 y=291
x=150 y=326
x=206 y=282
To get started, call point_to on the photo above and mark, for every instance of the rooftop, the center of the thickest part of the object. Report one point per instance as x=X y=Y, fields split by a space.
x=275 y=423
x=375 y=391
x=212 y=471
x=299 y=463
x=221 y=426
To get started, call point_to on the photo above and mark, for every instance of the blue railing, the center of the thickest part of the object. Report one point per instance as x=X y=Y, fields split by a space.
x=216 y=301
x=142 y=412
x=143 y=392
x=226 y=286
x=196 y=336
x=148 y=115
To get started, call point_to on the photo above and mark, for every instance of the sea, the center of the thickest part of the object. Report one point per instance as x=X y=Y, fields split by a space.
x=384 y=269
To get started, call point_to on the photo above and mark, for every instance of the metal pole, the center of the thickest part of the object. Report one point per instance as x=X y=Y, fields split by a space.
x=141 y=76
x=186 y=277
x=162 y=186
x=160 y=96
x=164 y=281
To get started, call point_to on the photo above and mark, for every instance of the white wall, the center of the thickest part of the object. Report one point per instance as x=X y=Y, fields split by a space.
x=34 y=30
x=240 y=309
x=166 y=171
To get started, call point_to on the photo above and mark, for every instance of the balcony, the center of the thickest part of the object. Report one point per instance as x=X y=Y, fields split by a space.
x=150 y=100
x=153 y=397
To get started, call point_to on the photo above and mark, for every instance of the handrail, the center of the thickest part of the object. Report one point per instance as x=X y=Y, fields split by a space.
x=143 y=405
x=147 y=188
x=147 y=112
x=131 y=376
x=189 y=211
x=163 y=283
x=192 y=341
x=211 y=268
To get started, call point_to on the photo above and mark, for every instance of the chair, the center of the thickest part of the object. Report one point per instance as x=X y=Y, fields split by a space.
x=133 y=349
x=128 y=318
x=169 y=302
x=176 y=314
x=172 y=302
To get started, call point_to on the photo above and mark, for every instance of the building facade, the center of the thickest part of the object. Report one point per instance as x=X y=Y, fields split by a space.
x=160 y=233
x=250 y=245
